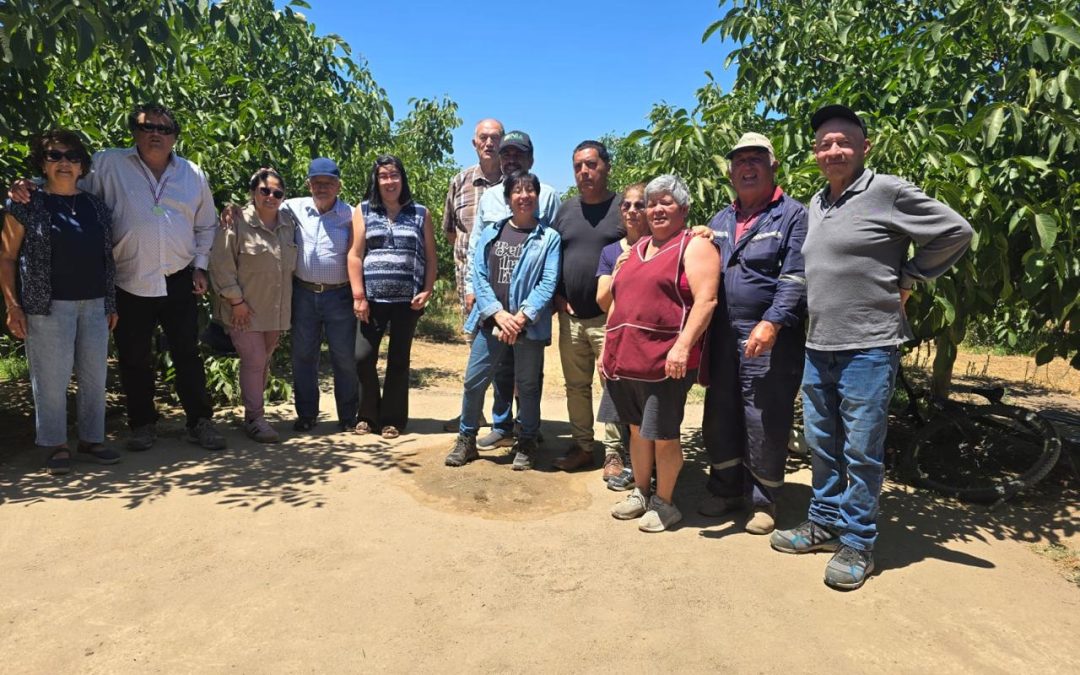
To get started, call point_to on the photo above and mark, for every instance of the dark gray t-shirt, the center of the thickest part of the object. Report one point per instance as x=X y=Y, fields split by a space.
x=503 y=257
x=585 y=229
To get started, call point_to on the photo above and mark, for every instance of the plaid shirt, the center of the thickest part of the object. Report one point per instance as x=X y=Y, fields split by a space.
x=462 y=199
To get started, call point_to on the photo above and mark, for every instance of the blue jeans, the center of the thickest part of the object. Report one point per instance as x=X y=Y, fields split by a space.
x=845 y=416
x=74 y=334
x=312 y=314
x=484 y=362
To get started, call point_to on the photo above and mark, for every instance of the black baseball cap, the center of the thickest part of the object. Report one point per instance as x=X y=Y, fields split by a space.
x=516 y=139
x=831 y=112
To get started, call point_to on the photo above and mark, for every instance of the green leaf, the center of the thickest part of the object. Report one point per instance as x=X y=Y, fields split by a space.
x=1070 y=35
x=1045 y=355
x=992 y=125
x=716 y=25
x=1046 y=225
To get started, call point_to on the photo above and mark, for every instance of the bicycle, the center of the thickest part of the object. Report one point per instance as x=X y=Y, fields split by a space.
x=982 y=453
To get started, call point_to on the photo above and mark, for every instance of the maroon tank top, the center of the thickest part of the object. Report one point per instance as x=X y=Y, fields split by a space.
x=652 y=302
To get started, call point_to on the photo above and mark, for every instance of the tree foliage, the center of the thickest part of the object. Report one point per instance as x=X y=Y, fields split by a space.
x=975 y=102
x=252 y=85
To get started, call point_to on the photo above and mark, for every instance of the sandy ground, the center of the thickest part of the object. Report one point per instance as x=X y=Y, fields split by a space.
x=334 y=553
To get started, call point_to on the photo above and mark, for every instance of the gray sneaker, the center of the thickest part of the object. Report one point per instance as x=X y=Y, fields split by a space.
x=260 y=430
x=496 y=439
x=660 y=516
x=634 y=506
x=848 y=568
x=142 y=438
x=206 y=435
x=805 y=538
x=463 y=452
x=526 y=451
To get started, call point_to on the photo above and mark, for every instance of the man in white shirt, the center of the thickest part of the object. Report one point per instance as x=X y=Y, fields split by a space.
x=163 y=226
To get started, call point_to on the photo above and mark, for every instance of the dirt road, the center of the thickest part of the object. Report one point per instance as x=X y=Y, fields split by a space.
x=333 y=553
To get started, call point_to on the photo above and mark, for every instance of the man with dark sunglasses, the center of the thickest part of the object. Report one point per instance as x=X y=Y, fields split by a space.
x=163 y=227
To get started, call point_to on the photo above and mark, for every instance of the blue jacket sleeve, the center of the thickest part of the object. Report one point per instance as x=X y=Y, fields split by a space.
x=789 y=301
x=544 y=292
x=486 y=302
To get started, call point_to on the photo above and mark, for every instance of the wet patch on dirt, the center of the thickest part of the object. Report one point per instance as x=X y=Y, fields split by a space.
x=489 y=488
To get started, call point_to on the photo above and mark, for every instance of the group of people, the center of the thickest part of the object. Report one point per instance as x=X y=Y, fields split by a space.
x=771 y=295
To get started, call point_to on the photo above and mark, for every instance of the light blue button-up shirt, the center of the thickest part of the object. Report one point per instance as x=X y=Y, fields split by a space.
x=322 y=240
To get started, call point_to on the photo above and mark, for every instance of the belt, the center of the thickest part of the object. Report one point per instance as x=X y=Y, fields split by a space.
x=319 y=288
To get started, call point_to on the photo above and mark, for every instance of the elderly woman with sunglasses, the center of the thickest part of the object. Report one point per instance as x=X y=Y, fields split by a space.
x=251 y=269
x=65 y=304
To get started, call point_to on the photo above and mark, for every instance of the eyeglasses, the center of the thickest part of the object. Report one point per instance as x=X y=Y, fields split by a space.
x=266 y=192
x=72 y=156
x=626 y=206
x=148 y=128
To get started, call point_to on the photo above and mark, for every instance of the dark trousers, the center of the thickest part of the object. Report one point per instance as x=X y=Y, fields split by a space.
x=390 y=407
x=749 y=408
x=178 y=315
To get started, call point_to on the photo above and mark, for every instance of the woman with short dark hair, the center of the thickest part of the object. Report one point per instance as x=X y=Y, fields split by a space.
x=251 y=271
x=515 y=270
x=65 y=303
x=392 y=268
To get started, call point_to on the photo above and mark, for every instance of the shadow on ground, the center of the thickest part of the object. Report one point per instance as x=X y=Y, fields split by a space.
x=245 y=475
x=913 y=525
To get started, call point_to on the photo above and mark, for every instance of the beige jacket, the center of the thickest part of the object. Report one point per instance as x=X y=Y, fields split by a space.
x=253 y=262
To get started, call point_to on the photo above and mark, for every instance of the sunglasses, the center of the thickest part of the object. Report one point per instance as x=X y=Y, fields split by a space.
x=148 y=128
x=72 y=156
x=266 y=192
x=626 y=206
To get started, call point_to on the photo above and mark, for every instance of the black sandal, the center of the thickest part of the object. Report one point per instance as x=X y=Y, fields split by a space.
x=57 y=465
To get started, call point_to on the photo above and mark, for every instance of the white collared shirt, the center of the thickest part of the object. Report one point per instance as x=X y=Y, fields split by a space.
x=153 y=240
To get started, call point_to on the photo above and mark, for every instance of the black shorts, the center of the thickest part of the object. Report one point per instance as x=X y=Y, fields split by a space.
x=657 y=408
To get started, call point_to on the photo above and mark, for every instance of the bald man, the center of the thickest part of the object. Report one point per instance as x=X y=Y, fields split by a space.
x=462 y=199
x=464 y=194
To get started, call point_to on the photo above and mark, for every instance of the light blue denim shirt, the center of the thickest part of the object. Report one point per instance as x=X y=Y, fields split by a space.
x=532 y=285
x=494 y=209
x=322 y=240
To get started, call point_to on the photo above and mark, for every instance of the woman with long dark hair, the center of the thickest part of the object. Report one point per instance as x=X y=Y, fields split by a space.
x=392 y=269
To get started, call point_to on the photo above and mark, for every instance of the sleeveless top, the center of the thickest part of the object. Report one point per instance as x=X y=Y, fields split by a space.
x=394 y=262
x=35 y=255
x=652 y=302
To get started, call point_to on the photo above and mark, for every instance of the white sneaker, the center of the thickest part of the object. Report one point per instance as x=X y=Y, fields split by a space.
x=634 y=506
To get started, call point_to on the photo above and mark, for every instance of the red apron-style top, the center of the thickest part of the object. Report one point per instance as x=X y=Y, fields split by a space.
x=652 y=302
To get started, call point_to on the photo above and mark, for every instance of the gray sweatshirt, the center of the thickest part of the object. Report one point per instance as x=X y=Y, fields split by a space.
x=856 y=254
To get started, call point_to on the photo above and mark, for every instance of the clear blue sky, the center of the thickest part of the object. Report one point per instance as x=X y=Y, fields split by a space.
x=561 y=70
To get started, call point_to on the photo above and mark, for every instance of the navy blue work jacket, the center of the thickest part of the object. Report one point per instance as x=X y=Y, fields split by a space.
x=763 y=271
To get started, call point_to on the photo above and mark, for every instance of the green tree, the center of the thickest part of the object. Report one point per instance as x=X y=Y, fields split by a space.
x=975 y=102
x=252 y=85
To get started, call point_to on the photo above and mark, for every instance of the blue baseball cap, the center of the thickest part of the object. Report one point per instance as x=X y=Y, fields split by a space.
x=323 y=166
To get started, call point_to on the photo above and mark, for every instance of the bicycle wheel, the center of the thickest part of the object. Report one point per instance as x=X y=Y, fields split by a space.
x=984 y=453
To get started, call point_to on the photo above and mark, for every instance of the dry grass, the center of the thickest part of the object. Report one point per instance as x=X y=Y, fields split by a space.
x=1066 y=559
